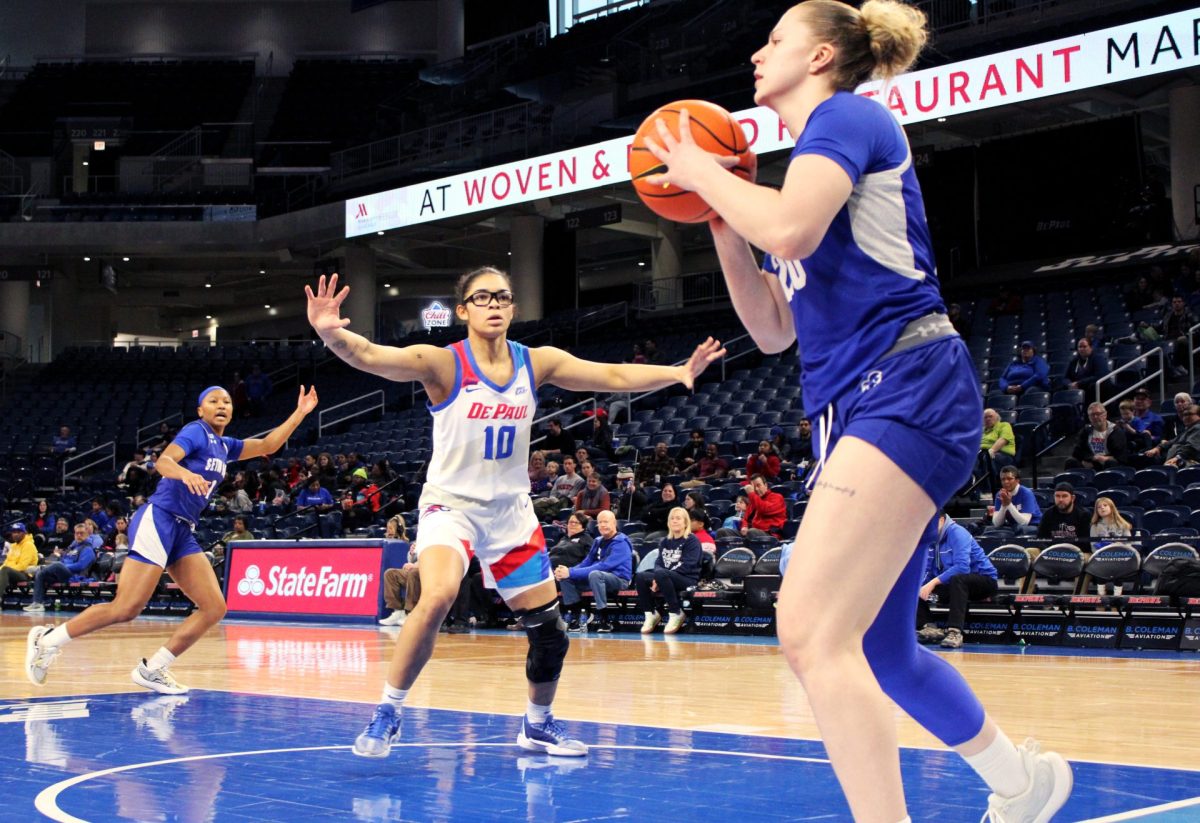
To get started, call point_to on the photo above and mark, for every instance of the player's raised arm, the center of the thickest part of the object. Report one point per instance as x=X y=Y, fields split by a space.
x=421 y=362
x=561 y=369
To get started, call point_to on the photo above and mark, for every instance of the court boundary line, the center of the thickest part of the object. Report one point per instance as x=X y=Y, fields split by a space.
x=1134 y=814
x=46 y=801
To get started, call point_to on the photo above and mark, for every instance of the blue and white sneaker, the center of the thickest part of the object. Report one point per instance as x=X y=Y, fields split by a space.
x=550 y=737
x=377 y=738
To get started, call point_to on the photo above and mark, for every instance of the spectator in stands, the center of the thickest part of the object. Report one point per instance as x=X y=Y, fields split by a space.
x=655 y=467
x=1141 y=295
x=582 y=456
x=315 y=495
x=632 y=501
x=677 y=567
x=402 y=586
x=562 y=493
x=98 y=515
x=258 y=388
x=602 y=443
x=1137 y=439
x=539 y=481
x=93 y=533
x=58 y=540
x=1184 y=450
x=74 y=565
x=1145 y=419
x=1107 y=521
x=1066 y=521
x=690 y=452
x=347 y=470
x=959 y=571
x=765 y=462
x=998 y=440
x=607 y=569
x=135 y=473
x=1094 y=336
x=1101 y=444
x=710 y=468
x=1085 y=368
x=652 y=354
x=959 y=320
x=698 y=518
x=1006 y=301
x=657 y=510
x=1175 y=325
x=802 y=450
x=327 y=472
x=733 y=523
x=120 y=526
x=240 y=531
x=551 y=474
x=1172 y=428
x=1029 y=372
x=594 y=498
x=42 y=520
x=574 y=545
x=586 y=470
x=780 y=443
x=557 y=439
x=292 y=474
x=693 y=501
x=1018 y=511
x=63 y=444
x=766 y=510
x=22 y=558
x=236 y=500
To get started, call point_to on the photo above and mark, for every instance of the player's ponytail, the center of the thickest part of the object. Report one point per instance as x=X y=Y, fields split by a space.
x=880 y=41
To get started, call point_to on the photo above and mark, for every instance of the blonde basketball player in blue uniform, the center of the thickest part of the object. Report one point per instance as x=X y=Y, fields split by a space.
x=849 y=273
x=161 y=537
x=483 y=397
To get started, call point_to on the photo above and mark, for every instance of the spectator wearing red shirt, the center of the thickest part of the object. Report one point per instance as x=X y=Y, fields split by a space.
x=708 y=468
x=766 y=462
x=766 y=511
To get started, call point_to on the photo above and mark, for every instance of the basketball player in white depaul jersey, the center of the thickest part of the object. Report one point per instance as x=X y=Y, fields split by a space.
x=482 y=395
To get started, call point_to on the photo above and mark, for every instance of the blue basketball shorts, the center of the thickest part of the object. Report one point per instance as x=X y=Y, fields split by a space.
x=922 y=408
x=160 y=538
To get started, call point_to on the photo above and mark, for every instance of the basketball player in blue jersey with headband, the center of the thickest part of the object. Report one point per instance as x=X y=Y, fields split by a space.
x=161 y=538
x=849 y=274
x=483 y=399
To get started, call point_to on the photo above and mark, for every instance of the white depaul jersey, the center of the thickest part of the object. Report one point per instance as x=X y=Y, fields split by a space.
x=481 y=431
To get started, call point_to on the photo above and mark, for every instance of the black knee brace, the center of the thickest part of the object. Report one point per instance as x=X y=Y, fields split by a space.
x=548 y=642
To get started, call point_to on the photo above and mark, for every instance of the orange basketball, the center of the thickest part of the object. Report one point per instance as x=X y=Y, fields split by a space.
x=714 y=130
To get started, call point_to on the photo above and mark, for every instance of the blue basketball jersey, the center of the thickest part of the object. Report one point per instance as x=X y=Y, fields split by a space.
x=874 y=270
x=207 y=454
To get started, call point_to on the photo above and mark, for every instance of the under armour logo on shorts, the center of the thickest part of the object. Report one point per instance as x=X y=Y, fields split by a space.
x=873 y=379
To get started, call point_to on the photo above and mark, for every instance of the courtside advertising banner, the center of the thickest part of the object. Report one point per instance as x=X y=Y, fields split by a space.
x=1147 y=47
x=316 y=579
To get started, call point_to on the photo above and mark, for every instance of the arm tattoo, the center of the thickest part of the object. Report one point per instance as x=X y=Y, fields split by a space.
x=824 y=484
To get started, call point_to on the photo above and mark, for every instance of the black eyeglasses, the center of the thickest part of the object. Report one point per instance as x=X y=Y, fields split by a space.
x=483 y=297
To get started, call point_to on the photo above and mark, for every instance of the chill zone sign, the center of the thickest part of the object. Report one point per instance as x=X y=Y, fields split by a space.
x=1147 y=47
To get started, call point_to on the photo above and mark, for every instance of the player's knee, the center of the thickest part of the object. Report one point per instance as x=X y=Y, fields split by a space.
x=548 y=642
x=215 y=610
x=808 y=637
x=123 y=612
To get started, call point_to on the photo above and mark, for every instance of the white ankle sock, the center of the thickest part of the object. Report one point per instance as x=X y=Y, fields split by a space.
x=56 y=638
x=650 y=615
x=536 y=713
x=161 y=659
x=394 y=696
x=1001 y=767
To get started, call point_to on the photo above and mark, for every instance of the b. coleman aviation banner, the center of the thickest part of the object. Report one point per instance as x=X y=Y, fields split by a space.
x=1152 y=46
x=331 y=580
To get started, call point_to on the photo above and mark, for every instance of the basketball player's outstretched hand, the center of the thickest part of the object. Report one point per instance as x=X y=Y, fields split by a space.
x=325 y=307
x=307 y=402
x=685 y=161
x=703 y=357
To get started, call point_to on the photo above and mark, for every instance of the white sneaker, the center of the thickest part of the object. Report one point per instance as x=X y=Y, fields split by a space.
x=396 y=618
x=674 y=623
x=38 y=658
x=652 y=621
x=159 y=680
x=1050 y=782
x=34 y=607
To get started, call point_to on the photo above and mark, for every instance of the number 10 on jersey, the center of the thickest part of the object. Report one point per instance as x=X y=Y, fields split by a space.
x=498 y=442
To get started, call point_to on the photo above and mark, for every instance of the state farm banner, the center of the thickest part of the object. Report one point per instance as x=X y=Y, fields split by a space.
x=316 y=579
x=1153 y=46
